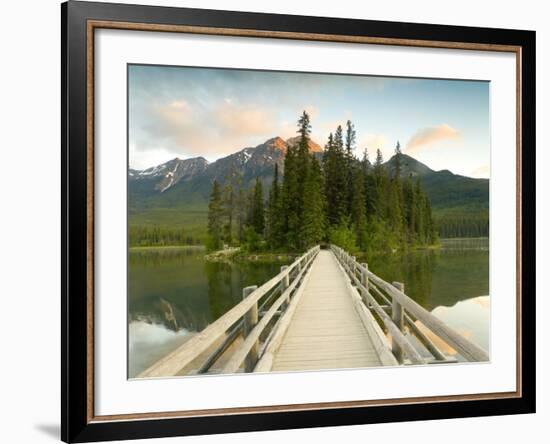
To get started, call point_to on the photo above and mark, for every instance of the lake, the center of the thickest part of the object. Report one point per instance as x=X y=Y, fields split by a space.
x=174 y=291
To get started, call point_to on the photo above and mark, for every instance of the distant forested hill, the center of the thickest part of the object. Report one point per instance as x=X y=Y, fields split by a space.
x=460 y=204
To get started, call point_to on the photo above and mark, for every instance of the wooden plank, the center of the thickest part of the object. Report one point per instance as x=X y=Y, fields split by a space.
x=399 y=341
x=253 y=336
x=379 y=340
x=326 y=331
x=266 y=361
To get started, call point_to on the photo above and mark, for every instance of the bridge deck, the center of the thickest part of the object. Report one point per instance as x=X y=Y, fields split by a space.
x=326 y=330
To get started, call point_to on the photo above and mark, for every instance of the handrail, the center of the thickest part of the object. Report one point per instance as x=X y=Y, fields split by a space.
x=232 y=335
x=172 y=363
x=430 y=346
x=396 y=334
x=467 y=349
x=239 y=356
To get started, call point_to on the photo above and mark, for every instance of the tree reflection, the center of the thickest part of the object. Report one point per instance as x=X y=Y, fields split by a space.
x=437 y=277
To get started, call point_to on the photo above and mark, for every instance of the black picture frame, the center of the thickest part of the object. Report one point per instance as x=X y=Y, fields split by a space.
x=77 y=425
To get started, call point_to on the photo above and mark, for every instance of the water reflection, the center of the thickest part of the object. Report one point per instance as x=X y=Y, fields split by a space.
x=459 y=270
x=470 y=318
x=148 y=343
x=175 y=291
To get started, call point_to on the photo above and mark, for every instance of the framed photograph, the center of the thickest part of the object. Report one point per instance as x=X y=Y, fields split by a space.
x=275 y=221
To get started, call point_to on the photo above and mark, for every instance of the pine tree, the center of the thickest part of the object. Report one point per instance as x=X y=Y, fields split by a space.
x=431 y=234
x=397 y=161
x=335 y=178
x=380 y=185
x=365 y=162
x=330 y=169
x=313 y=228
x=240 y=212
x=419 y=210
x=274 y=209
x=349 y=164
x=358 y=211
x=297 y=166
x=369 y=185
x=303 y=161
x=258 y=214
x=395 y=198
x=290 y=195
x=304 y=130
x=215 y=217
x=232 y=183
x=339 y=141
x=350 y=139
x=409 y=209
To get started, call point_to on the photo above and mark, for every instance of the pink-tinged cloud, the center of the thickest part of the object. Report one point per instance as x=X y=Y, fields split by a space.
x=427 y=137
x=174 y=113
x=312 y=110
x=373 y=142
x=481 y=171
x=243 y=120
x=189 y=131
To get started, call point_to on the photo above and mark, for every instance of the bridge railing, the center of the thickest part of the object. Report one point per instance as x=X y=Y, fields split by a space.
x=399 y=312
x=249 y=319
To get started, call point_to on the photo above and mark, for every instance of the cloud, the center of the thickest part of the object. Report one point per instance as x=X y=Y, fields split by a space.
x=483 y=171
x=242 y=120
x=186 y=130
x=312 y=110
x=426 y=137
x=374 y=142
x=142 y=159
x=174 y=113
x=329 y=126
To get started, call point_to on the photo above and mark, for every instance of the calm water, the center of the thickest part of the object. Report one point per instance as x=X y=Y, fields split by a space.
x=175 y=291
x=452 y=282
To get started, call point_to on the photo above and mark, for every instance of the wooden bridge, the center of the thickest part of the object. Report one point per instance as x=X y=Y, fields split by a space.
x=324 y=311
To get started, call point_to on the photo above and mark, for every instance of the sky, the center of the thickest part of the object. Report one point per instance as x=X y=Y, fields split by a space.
x=188 y=112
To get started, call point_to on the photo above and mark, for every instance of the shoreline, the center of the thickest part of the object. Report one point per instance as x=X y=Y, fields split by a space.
x=463 y=238
x=167 y=247
x=235 y=253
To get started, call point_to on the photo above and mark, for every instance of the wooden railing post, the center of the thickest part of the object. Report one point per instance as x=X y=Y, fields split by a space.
x=284 y=284
x=397 y=318
x=250 y=320
x=365 y=281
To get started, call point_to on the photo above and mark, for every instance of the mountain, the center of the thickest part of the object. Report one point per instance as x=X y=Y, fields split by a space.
x=162 y=177
x=446 y=190
x=197 y=175
x=409 y=166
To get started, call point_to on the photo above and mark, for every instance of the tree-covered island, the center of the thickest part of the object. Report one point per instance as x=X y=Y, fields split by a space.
x=325 y=197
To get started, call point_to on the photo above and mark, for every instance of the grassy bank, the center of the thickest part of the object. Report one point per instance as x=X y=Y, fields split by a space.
x=237 y=254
